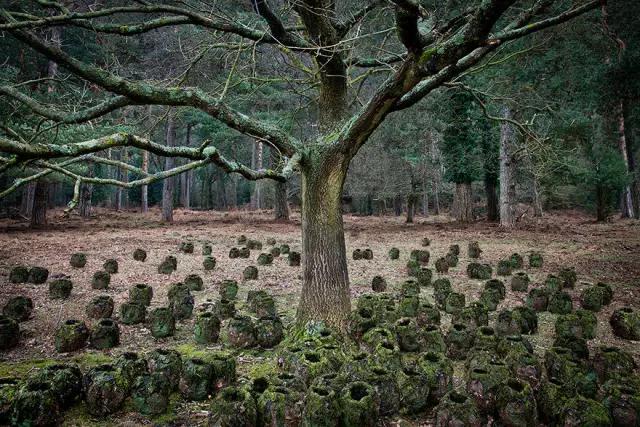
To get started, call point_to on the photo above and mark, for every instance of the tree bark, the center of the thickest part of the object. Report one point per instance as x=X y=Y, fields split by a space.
x=537 y=199
x=601 y=205
x=412 y=200
x=325 y=290
x=144 y=190
x=124 y=173
x=280 y=199
x=185 y=178
x=490 y=188
x=397 y=205
x=40 y=201
x=627 y=197
x=507 y=178
x=169 y=183
x=86 y=191
x=26 y=204
x=256 y=195
x=462 y=207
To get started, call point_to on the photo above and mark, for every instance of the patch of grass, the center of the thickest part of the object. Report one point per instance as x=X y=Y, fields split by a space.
x=24 y=368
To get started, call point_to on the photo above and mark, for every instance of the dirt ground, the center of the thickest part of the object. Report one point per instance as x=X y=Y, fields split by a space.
x=600 y=252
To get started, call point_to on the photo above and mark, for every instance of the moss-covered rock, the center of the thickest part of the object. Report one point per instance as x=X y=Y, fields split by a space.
x=105 y=334
x=168 y=265
x=520 y=282
x=553 y=284
x=100 y=280
x=504 y=268
x=580 y=411
x=568 y=277
x=551 y=400
x=454 y=302
x=622 y=401
x=19 y=308
x=472 y=316
x=538 y=299
x=233 y=406
x=110 y=266
x=194 y=282
x=442 y=265
x=581 y=324
x=479 y=271
x=438 y=371
x=225 y=309
x=625 y=323
x=592 y=298
x=38 y=275
x=473 y=250
x=535 y=259
x=64 y=380
x=206 y=328
x=560 y=303
x=105 y=390
x=377 y=335
x=72 y=335
x=9 y=333
x=239 y=332
x=195 y=379
x=269 y=331
x=150 y=394
x=228 y=289
x=166 y=364
x=427 y=315
x=394 y=253
x=459 y=341
x=485 y=339
x=457 y=409
x=100 y=307
x=132 y=313
x=423 y=276
x=294 y=259
x=612 y=362
x=162 y=322
x=19 y=274
x=78 y=260
x=441 y=289
x=420 y=255
x=181 y=301
x=140 y=255
x=516 y=404
x=407 y=335
x=265 y=259
x=8 y=388
x=141 y=294
x=35 y=405
x=483 y=383
x=521 y=320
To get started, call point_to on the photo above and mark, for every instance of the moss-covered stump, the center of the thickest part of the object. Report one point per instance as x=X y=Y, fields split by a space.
x=504 y=268
x=387 y=394
x=132 y=313
x=224 y=368
x=239 y=332
x=19 y=308
x=607 y=292
x=520 y=282
x=367 y=254
x=553 y=283
x=420 y=255
x=438 y=371
x=451 y=259
x=485 y=339
x=414 y=390
x=195 y=379
x=568 y=277
x=359 y=405
x=479 y=271
x=622 y=400
x=131 y=366
x=150 y=394
x=516 y=404
x=187 y=247
x=483 y=383
x=612 y=362
x=516 y=260
x=513 y=344
x=538 y=299
x=60 y=287
x=162 y=322
x=72 y=335
x=454 y=303
x=242 y=239
x=581 y=324
x=100 y=280
x=360 y=321
x=490 y=298
x=562 y=364
x=459 y=341
x=167 y=364
x=576 y=345
x=100 y=307
x=473 y=250
x=206 y=328
x=265 y=259
x=412 y=268
x=441 y=289
x=294 y=259
x=498 y=285
x=242 y=253
x=592 y=298
x=141 y=293
x=560 y=303
x=35 y=405
x=394 y=253
x=110 y=266
x=38 y=275
x=65 y=381
x=307 y=364
x=209 y=263
x=250 y=273
x=19 y=274
x=442 y=265
x=433 y=339
x=580 y=411
x=194 y=282
x=457 y=409
x=408 y=305
x=472 y=316
x=427 y=315
x=8 y=389
x=269 y=331
x=105 y=334
x=551 y=399
x=321 y=408
x=264 y=306
x=234 y=253
x=140 y=255
x=168 y=265
x=274 y=252
x=423 y=276
x=357 y=254
x=521 y=320
x=9 y=333
x=407 y=335
x=254 y=244
x=284 y=249
x=207 y=249
x=233 y=406
x=225 y=309
x=105 y=390
x=228 y=289
x=181 y=301
x=625 y=323
x=78 y=260
x=535 y=259
x=378 y=284
x=410 y=288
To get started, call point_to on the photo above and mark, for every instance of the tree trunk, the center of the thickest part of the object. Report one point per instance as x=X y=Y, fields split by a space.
x=425 y=199
x=507 y=178
x=144 y=190
x=281 y=207
x=436 y=198
x=462 y=208
x=627 y=198
x=124 y=173
x=256 y=195
x=325 y=290
x=490 y=188
x=601 y=205
x=397 y=205
x=412 y=199
x=168 y=184
x=26 y=204
x=40 y=201
x=537 y=199
x=117 y=174
x=86 y=191
x=185 y=184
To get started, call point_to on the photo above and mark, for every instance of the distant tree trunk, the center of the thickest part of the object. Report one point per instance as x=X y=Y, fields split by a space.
x=257 y=163
x=462 y=208
x=537 y=200
x=436 y=197
x=507 y=169
x=144 y=190
x=412 y=200
x=397 y=205
x=635 y=183
x=627 y=197
x=168 y=184
x=40 y=201
x=281 y=205
x=117 y=174
x=491 y=189
x=86 y=191
x=124 y=173
x=185 y=178
x=601 y=205
x=26 y=204
x=425 y=199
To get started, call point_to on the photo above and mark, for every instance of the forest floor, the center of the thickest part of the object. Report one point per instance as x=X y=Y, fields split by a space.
x=608 y=252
